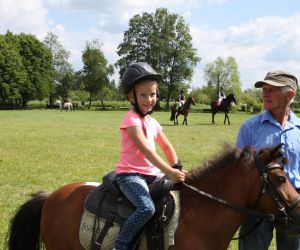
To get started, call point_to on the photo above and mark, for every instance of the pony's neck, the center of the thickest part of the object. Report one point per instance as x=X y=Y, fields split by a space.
x=188 y=102
x=208 y=218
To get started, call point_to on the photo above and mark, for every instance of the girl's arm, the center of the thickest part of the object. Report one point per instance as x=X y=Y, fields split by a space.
x=142 y=144
x=167 y=148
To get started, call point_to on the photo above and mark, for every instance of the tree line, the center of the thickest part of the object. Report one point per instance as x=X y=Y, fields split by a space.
x=34 y=70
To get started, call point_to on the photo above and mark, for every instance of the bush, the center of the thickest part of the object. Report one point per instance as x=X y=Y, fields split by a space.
x=37 y=104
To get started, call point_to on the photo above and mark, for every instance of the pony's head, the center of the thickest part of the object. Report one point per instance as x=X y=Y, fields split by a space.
x=191 y=100
x=231 y=98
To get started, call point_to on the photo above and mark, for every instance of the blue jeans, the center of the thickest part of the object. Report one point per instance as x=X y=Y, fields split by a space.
x=135 y=188
x=261 y=237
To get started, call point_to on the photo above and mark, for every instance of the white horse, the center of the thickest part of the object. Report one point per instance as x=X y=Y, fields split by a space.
x=66 y=106
x=59 y=104
x=69 y=106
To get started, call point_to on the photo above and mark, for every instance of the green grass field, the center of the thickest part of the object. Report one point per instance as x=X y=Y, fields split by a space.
x=46 y=149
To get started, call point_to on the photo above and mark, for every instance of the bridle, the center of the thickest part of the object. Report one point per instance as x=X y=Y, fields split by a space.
x=283 y=217
x=267 y=186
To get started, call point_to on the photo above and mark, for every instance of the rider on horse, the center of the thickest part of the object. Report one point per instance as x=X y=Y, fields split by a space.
x=65 y=100
x=181 y=99
x=139 y=164
x=221 y=95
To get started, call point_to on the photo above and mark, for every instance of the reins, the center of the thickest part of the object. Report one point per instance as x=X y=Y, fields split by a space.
x=269 y=217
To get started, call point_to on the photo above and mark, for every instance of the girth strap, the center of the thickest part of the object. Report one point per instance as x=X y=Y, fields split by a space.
x=107 y=225
x=156 y=231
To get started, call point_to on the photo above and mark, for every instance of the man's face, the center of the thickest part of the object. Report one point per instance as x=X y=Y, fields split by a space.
x=273 y=98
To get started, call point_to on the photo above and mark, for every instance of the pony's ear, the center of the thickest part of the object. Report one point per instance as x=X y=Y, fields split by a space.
x=246 y=153
x=285 y=161
x=277 y=151
x=246 y=156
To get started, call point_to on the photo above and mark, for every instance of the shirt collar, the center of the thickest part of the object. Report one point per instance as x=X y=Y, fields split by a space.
x=294 y=119
x=267 y=116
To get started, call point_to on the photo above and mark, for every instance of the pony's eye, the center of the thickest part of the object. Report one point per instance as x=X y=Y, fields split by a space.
x=280 y=179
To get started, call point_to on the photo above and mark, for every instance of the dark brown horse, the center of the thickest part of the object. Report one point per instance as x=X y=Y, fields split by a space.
x=215 y=200
x=224 y=107
x=181 y=111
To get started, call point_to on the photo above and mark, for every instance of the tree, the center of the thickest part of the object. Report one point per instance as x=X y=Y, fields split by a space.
x=28 y=71
x=252 y=98
x=163 y=40
x=96 y=70
x=225 y=73
x=13 y=77
x=36 y=59
x=62 y=72
x=296 y=102
x=201 y=95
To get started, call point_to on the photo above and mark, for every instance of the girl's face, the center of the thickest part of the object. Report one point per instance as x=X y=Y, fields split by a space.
x=145 y=94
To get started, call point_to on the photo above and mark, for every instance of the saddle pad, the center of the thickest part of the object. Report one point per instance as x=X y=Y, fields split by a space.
x=87 y=224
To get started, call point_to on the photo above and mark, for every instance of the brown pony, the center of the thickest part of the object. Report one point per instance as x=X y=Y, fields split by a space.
x=183 y=111
x=215 y=200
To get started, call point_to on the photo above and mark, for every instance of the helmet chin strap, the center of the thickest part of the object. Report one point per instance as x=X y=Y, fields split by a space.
x=136 y=105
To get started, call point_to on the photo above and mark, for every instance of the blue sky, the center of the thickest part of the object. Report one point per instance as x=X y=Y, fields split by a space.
x=262 y=35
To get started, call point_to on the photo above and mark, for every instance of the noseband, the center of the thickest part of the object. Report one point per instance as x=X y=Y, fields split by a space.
x=267 y=186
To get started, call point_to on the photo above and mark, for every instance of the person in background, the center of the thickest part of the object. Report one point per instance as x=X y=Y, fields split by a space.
x=277 y=124
x=65 y=100
x=181 y=99
x=221 y=95
x=139 y=164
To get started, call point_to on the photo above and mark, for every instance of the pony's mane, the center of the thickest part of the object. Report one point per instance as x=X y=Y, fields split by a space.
x=229 y=155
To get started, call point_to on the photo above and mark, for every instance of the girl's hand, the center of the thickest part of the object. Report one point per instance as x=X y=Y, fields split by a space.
x=176 y=175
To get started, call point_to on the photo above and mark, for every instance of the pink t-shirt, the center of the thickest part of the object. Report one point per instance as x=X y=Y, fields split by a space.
x=132 y=160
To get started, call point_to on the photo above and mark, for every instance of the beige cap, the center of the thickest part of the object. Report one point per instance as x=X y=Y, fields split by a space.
x=279 y=78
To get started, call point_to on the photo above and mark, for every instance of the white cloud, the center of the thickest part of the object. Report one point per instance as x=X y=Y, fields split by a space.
x=23 y=16
x=259 y=46
x=216 y=2
x=121 y=5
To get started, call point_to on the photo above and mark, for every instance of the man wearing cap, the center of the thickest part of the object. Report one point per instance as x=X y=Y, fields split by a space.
x=277 y=124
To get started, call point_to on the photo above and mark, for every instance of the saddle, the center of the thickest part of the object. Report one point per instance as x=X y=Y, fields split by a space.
x=216 y=104
x=108 y=202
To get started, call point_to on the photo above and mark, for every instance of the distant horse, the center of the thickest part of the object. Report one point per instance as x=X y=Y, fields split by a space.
x=59 y=104
x=69 y=106
x=66 y=106
x=215 y=200
x=181 y=111
x=224 y=106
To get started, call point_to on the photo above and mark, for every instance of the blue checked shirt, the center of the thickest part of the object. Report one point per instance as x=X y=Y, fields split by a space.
x=263 y=131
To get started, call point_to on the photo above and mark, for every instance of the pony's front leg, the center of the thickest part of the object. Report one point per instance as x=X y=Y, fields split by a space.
x=212 y=118
x=226 y=118
x=184 y=121
x=176 y=118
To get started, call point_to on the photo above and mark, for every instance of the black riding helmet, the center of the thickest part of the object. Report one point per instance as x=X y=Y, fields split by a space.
x=135 y=73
